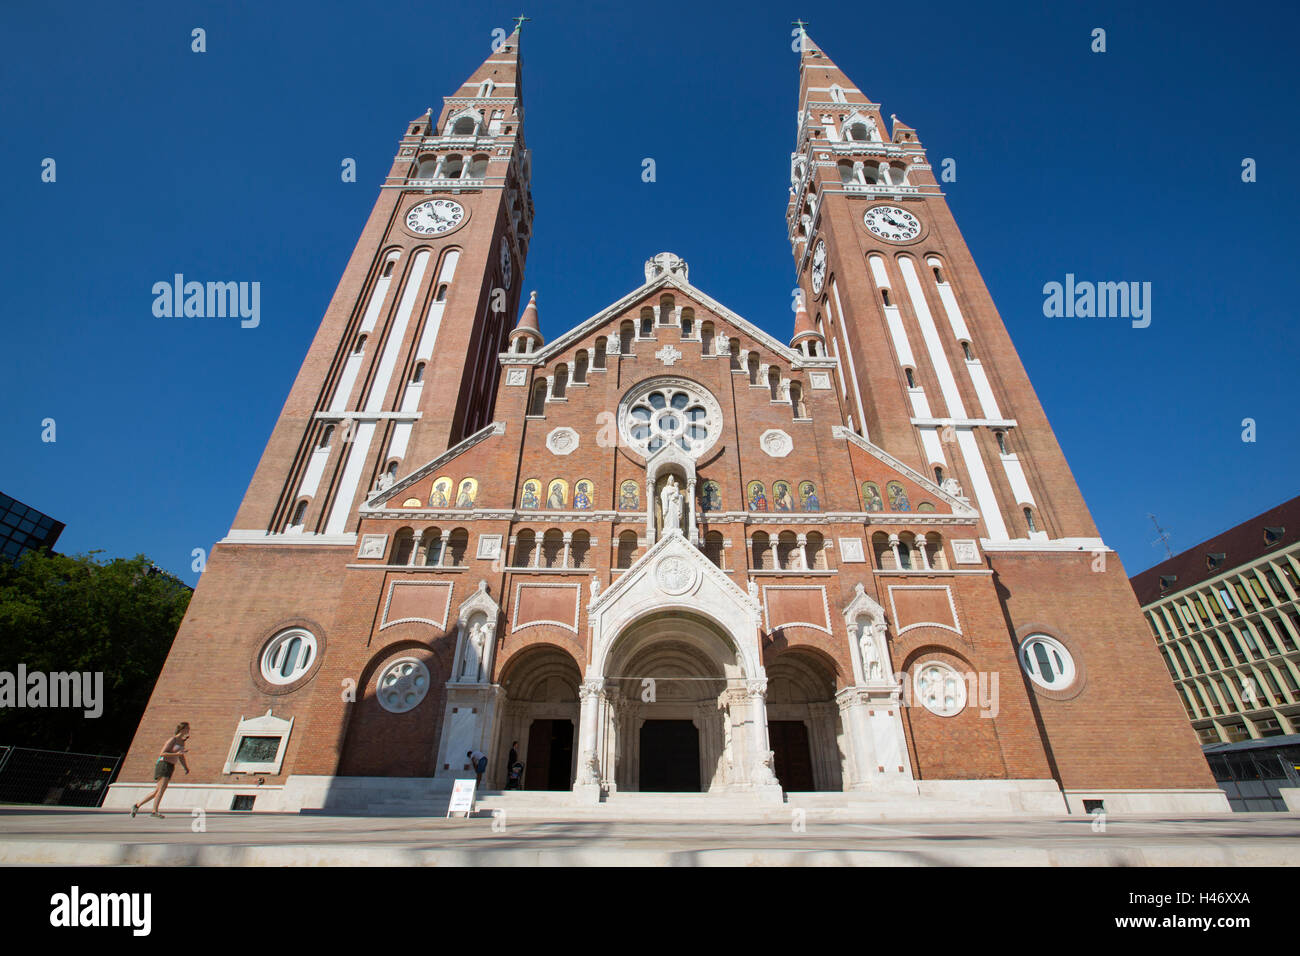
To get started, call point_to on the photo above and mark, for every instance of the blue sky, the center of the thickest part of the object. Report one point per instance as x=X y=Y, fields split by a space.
x=225 y=165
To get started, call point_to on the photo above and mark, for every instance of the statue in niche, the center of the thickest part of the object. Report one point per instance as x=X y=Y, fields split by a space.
x=670 y=503
x=872 y=668
x=475 y=648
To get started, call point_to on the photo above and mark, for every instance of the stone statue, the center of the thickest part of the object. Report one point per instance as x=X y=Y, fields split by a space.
x=670 y=500
x=595 y=589
x=474 y=650
x=871 y=666
x=385 y=482
x=753 y=590
x=952 y=486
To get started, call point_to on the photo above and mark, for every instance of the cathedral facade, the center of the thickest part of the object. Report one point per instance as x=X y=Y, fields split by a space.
x=666 y=551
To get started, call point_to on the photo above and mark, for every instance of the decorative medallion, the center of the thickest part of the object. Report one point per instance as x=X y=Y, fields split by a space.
x=966 y=552
x=489 y=547
x=562 y=441
x=776 y=443
x=675 y=575
x=402 y=685
x=818 y=379
x=519 y=376
x=372 y=545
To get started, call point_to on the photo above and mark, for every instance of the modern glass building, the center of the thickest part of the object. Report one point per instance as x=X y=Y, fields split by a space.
x=1224 y=615
x=24 y=529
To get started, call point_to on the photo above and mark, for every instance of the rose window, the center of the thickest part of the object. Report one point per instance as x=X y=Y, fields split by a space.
x=940 y=689
x=670 y=413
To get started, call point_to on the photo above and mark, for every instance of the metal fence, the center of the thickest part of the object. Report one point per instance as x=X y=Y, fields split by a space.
x=55 y=777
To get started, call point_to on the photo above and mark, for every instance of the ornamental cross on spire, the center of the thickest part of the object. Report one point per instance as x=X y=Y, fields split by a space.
x=519 y=23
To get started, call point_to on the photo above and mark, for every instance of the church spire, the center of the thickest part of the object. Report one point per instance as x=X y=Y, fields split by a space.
x=821 y=81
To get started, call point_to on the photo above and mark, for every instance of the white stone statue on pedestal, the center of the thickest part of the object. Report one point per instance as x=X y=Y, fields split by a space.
x=872 y=668
x=670 y=501
x=475 y=644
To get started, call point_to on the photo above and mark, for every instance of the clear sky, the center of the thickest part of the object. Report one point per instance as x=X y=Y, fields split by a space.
x=225 y=165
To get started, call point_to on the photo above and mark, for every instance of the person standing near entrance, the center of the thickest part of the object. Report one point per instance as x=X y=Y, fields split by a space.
x=172 y=751
x=477 y=760
x=512 y=759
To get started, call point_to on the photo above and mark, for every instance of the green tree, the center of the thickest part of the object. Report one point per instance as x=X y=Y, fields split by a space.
x=78 y=614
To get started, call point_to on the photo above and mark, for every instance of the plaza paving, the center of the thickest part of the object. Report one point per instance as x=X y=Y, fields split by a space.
x=50 y=835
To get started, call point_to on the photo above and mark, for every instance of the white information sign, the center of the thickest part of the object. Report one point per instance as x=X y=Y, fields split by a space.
x=462 y=797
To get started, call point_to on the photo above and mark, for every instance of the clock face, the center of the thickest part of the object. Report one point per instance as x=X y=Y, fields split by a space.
x=892 y=224
x=505 y=262
x=819 y=267
x=435 y=217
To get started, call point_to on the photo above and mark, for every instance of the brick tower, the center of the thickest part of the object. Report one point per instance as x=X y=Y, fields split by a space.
x=933 y=378
x=424 y=306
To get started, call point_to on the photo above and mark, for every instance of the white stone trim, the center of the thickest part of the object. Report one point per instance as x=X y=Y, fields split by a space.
x=240 y=536
x=826 y=608
x=577 y=605
x=1060 y=544
x=893 y=609
x=388 y=601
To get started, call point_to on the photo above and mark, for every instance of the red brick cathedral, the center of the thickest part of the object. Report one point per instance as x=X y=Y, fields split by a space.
x=665 y=551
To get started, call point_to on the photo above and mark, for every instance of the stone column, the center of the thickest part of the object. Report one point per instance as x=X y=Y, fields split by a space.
x=689 y=504
x=415 y=548
x=873 y=726
x=853 y=703
x=761 y=776
x=802 y=561
x=587 y=783
x=893 y=546
x=564 y=558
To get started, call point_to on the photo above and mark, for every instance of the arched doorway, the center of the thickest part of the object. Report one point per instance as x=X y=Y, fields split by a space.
x=540 y=712
x=669 y=679
x=803 y=722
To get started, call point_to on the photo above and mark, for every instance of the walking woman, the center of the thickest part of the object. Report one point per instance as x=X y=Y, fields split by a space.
x=172 y=751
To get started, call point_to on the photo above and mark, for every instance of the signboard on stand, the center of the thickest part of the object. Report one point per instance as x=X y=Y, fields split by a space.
x=462 y=798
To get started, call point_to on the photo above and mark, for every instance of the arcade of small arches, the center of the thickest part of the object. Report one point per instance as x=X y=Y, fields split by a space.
x=573 y=550
x=554 y=386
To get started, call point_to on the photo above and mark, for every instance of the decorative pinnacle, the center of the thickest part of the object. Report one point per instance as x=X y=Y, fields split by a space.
x=519 y=23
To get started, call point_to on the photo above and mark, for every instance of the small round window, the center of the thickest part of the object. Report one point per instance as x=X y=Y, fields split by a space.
x=289 y=655
x=402 y=685
x=940 y=689
x=1047 y=662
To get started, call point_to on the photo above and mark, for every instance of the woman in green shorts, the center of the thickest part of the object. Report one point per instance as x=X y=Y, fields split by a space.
x=172 y=751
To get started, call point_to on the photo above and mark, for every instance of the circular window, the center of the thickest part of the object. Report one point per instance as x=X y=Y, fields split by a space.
x=670 y=411
x=402 y=685
x=940 y=689
x=288 y=656
x=1047 y=662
